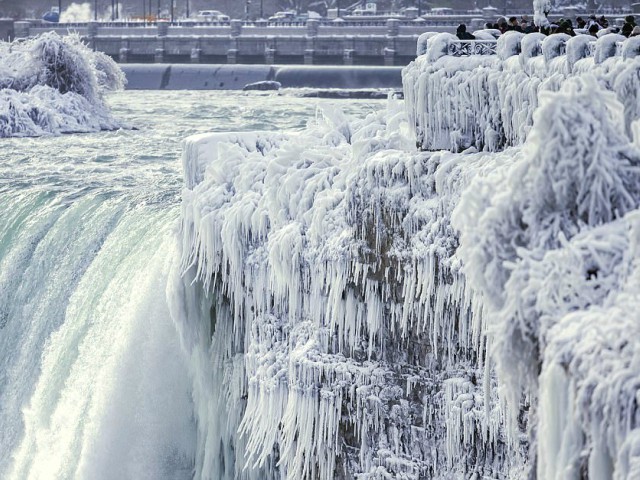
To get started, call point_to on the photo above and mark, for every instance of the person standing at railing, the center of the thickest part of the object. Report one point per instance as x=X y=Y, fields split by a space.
x=513 y=25
x=462 y=33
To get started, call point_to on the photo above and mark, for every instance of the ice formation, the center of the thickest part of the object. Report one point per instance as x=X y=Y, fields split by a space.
x=52 y=85
x=357 y=307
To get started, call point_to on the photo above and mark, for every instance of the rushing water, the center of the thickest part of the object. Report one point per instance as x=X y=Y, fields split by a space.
x=93 y=384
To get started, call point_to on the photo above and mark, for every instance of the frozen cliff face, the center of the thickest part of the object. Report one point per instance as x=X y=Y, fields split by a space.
x=356 y=308
x=52 y=84
x=331 y=331
x=551 y=244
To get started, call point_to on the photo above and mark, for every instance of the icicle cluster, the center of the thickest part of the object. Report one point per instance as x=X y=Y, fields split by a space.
x=344 y=340
x=52 y=84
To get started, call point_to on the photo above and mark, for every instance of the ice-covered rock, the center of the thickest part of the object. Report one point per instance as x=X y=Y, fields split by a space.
x=52 y=84
x=325 y=310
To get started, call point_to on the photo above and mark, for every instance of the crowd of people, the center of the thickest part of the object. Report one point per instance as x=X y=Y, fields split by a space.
x=593 y=26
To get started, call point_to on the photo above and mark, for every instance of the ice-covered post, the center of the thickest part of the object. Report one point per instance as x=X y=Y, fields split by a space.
x=21 y=29
x=540 y=10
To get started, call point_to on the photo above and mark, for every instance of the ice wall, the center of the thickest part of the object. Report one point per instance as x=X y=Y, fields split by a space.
x=356 y=308
x=52 y=85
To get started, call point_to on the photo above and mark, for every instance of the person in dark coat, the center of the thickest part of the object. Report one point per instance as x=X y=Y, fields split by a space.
x=513 y=25
x=462 y=33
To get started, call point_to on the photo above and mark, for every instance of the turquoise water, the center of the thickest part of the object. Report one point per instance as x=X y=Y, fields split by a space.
x=93 y=384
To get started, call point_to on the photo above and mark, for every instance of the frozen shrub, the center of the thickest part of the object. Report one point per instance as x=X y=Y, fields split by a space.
x=73 y=77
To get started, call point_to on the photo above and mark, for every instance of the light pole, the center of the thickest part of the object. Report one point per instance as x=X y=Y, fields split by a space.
x=188 y=13
x=95 y=10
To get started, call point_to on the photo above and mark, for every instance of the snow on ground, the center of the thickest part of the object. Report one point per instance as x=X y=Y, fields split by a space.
x=356 y=308
x=52 y=85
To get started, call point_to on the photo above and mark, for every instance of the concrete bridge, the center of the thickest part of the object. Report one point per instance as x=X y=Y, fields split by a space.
x=388 y=43
x=391 y=42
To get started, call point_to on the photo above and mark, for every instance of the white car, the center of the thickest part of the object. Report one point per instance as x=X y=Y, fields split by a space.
x=283 y=17
x=212 y=16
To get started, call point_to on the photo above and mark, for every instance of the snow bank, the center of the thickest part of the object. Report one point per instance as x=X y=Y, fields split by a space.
x=52 y=84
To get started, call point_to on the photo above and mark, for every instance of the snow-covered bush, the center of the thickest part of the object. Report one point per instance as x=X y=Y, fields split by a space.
x=53 y=84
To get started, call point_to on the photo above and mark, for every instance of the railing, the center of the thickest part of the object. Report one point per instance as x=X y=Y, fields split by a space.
x=466 y=48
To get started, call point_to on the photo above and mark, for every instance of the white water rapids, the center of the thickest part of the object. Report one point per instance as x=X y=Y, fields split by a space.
x=93 y=384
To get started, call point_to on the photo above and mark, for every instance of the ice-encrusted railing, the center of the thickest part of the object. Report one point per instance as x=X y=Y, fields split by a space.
x=550 y=237
x=466 y=48
x=458 y=97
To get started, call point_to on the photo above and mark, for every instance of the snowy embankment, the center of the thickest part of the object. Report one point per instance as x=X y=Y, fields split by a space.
x=354 y=308
x=52 y=85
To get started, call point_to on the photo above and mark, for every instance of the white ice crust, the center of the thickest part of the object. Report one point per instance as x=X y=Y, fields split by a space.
x=355 y=307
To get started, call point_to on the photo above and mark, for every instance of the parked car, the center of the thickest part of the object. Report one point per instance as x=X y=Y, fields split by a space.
x=52 y=15
x=284 y=17
x=212 y=16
